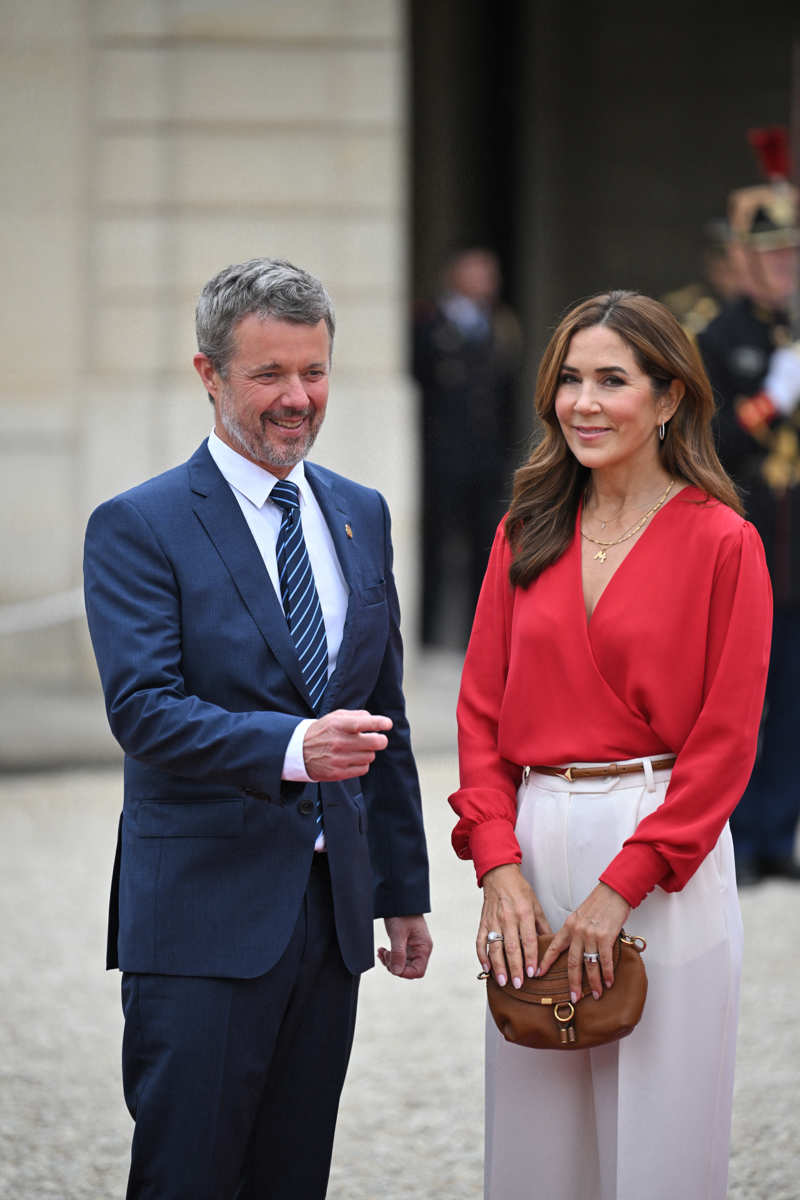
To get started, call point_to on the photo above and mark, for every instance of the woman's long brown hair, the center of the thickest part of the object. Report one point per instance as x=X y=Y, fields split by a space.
x=548 y=487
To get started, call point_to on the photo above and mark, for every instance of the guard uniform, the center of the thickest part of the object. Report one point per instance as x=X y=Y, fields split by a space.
x=761 y=451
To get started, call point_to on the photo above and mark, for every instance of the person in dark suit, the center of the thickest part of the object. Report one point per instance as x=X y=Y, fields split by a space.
x=466 y=354
x=245 y=622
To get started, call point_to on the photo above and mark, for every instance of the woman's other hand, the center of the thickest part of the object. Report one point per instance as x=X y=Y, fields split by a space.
x=510 y=907
x=592 y=929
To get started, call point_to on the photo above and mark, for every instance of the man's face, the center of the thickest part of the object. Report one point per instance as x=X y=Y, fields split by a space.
x=772 y=275
x=779 y=272
x=272 y=402
x=475 y=274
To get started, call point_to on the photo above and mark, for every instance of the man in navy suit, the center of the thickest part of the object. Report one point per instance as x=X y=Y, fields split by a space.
x=267 y=818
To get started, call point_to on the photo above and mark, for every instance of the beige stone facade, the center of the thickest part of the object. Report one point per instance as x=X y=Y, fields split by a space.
x=146 y=145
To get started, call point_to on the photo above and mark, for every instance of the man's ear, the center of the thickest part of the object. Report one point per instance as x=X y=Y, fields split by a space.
x=208 y=374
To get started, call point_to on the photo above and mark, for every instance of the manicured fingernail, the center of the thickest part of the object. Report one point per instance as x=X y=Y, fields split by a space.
x=501 y=979
x=517 y=982
x=609 y=982
x=538 y=971
x=596 y=995
x=574 y=997
x=531 y=972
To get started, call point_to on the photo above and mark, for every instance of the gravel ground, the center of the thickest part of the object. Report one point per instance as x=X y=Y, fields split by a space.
x=410 y=1122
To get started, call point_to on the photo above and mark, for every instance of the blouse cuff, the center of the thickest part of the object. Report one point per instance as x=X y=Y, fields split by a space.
x=493 y=844
x=635 y=872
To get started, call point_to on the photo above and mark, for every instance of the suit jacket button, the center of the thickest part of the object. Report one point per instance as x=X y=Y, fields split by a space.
x=306 y=807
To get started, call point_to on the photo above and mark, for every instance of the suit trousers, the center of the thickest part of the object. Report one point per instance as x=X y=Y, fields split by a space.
x=234 y=1084
x=764 y=822
x=649 y=1115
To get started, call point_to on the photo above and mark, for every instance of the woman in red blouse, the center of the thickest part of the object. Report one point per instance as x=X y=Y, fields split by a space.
x=624 y=619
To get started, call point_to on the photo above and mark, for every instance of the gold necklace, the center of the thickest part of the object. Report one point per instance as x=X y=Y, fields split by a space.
x=617 y=515
x=602 y=554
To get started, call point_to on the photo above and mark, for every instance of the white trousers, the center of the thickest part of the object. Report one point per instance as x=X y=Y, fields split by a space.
x=650 y=1116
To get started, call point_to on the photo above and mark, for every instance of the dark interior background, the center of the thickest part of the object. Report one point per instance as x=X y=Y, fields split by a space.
x=588 y=145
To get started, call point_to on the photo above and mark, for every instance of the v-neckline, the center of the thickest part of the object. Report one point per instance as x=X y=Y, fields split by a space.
x=589 y=616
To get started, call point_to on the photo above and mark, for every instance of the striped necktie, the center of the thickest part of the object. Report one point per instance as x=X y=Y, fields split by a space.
x=299 y=593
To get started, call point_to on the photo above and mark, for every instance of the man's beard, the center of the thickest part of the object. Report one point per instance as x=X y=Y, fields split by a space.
x=261 y=448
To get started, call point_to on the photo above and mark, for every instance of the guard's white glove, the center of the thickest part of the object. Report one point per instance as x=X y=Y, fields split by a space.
x=782 y=383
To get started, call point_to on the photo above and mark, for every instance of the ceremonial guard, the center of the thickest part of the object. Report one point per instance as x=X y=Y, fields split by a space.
x=752 y=354
x=697 y=304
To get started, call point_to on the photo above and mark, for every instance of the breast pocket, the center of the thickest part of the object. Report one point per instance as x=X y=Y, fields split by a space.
x=218 y=818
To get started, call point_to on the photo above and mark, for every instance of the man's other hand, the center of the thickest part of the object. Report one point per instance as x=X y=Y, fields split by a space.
x=343 y=744
x=411 y=947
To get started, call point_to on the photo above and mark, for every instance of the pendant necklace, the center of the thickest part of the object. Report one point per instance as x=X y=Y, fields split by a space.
x=602 y=553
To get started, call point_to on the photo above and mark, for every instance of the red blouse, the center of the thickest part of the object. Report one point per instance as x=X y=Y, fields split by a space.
x=673 y=660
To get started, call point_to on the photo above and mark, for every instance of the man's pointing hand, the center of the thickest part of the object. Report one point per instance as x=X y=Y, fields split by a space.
x=342 y=744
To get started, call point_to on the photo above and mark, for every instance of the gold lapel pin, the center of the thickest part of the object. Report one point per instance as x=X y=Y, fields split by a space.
x=348 y=530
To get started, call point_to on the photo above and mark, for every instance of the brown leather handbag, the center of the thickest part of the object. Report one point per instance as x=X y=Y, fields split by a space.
x=541 y=1015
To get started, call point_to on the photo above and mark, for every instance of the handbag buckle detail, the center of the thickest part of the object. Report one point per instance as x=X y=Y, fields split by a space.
x=564 y=1013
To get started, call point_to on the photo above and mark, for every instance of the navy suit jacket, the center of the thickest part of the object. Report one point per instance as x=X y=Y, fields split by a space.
x=203 y=690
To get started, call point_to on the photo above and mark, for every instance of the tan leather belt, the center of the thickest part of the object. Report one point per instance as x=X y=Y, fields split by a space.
x=600 y=772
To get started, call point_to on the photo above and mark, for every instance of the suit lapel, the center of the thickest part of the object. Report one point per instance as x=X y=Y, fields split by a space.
x=219 y=513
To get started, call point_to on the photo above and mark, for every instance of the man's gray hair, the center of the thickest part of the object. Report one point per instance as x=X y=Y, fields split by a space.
x=268 y=287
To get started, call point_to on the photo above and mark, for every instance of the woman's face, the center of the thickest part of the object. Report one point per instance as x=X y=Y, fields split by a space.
x=605 y=403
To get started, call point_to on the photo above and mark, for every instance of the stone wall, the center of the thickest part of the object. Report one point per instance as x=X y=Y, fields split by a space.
x=147 y=145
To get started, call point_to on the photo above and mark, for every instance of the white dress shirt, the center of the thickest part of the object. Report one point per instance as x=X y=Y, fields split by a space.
x=251 y=485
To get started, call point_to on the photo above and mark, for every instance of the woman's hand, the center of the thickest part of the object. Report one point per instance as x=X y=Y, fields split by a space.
x=510 y=907
x=593 y=928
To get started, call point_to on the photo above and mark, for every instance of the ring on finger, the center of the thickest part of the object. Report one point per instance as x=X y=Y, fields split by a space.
x=591 y=956
x=494 y=936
